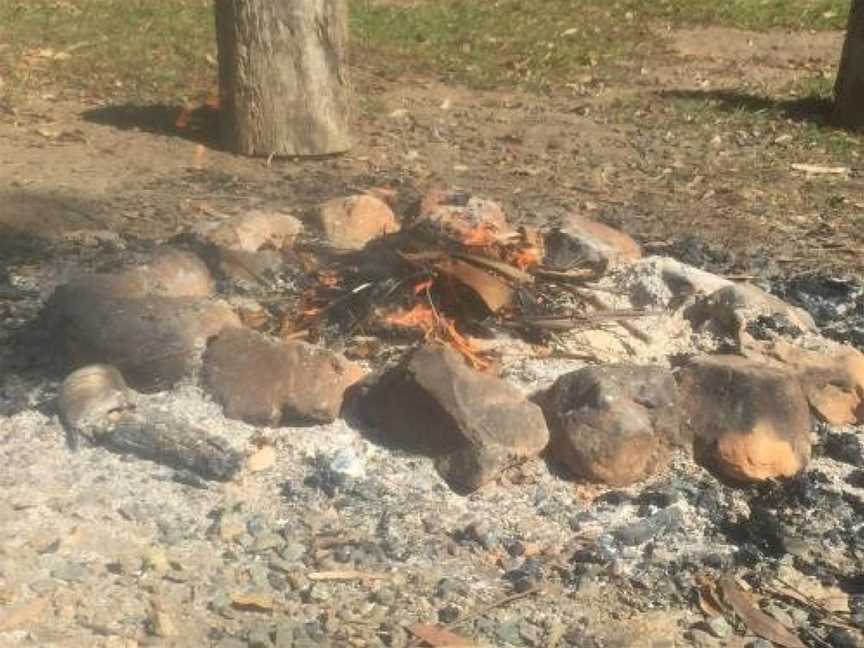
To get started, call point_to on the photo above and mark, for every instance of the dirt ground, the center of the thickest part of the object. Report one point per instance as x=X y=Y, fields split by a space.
x=697 y=140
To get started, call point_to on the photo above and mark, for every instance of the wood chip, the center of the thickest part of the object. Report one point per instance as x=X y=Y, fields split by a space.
x=818 y=169
x=22 y=614
x=439 y=637
x=755 y=619
x=345 y=575
x=253 y=602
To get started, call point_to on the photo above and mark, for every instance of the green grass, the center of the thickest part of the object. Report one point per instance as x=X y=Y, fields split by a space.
x=165 y=48
x=753 y=14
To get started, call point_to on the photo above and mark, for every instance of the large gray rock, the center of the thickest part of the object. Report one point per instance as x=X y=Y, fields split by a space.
x=265 y=381
x=750 y=419
x=475 y=425
x=613 y=423
x=153 y=341
x=170 y=273
x=747 y=314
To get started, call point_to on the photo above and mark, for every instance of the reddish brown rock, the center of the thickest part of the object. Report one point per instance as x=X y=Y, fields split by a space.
x=265 y=381
x=171 y=273
x=614 y=423
x=463 y=217
x=834 y=383
x=747 y=314
x=256 y=230
x=475 y=425
x=153 y=341
x=350 y=223
x=750 y=419
x=582 y=242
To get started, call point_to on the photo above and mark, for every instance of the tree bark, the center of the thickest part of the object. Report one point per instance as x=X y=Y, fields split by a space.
x=283 y=76
x=849 y=88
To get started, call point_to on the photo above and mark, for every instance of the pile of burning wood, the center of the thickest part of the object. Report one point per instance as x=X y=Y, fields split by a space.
x=458 y=273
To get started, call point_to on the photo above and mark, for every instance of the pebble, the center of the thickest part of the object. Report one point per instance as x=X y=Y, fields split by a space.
x=718 y=626
x=645 y=529
x=72 y=572
x=266 y=541
x=259 y=637
x=293 y=551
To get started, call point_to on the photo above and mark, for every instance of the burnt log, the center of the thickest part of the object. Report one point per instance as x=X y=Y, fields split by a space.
x=283 y=76
x=175 y=444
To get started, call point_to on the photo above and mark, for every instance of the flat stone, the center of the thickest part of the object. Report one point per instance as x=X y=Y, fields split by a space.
x=475 y=425
x=581 y=242
x=265 y=381
x=614 y=423
x=750 y=420
x=254 y=230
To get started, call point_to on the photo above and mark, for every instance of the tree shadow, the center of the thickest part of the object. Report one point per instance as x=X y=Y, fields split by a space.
x=811 y=109
x=202 y=123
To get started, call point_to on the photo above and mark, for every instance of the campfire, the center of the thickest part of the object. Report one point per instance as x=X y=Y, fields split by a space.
x=456 y=274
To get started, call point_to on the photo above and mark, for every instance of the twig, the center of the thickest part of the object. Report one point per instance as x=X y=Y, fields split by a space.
x=481 y=611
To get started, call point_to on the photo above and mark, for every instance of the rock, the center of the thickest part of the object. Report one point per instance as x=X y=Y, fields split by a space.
x=643 y=530
x=613 y=423
x=475 y=425
x=750 y=420
x=459 y=215
x=663 y=282
x=350 y=223
x=152 y=341
x=747 y=314
x=581 y=242
x=240 y=265
x=171 y=273
x=834 y=383
x=93 y=397
x=262 y=380
x=255 y=230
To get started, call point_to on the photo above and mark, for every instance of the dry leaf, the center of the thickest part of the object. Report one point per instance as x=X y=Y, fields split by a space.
x=755 y=619
x=262 y=459
x=253 y=602
x=439 y=637
x=495 y=293
x=22 y=614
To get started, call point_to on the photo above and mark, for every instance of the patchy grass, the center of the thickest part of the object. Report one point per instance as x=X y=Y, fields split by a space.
x=752 y=14
x=104 y=47
x=165 y=48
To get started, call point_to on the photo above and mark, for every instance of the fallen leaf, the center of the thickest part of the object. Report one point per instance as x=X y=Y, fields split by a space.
x=262 y=459
x=755 y=619
x=253 y=602
x=495 y=292
x=438 y=637
x=22 y=614
x=818 y=169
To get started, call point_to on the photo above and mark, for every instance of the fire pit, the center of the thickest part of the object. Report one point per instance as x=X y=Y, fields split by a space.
x=645 y=424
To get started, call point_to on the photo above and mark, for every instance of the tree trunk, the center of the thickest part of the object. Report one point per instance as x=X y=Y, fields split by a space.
x=849 y=88
x=283 y=76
